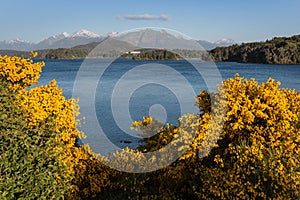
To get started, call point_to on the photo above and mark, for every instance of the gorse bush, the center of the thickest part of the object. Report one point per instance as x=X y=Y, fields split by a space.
x=38 y=134
x=20 y=72
x=258 y=151
x=244 y=143
x=43 y=131
x=29 y=167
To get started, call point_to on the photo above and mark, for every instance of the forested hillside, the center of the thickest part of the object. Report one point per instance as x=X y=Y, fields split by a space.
x=279 y=50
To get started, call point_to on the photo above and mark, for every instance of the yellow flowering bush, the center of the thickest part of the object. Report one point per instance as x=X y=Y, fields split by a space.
x=30 y=167
x=251 y=151
x=258 y=152
x=47 y=103
x=21 y=72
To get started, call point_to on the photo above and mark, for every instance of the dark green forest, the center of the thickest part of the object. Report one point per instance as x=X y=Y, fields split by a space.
x=152 y=54
x=279 y=50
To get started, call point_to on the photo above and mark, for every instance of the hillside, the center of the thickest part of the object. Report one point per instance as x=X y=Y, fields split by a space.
x=15 y=53
x=279 y=50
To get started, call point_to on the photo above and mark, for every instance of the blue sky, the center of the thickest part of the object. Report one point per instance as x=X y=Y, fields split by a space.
x=242 y=20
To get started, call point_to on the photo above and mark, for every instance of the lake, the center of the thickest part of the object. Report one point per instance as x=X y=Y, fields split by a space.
x=114 y=92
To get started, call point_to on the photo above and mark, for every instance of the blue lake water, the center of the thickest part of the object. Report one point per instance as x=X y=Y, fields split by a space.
x=115 y=92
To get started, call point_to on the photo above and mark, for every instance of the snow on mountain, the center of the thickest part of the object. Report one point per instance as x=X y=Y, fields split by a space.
x=61 y=36
x=78 y=34
x=112 y=34
x=85 y=33
x=225 y=41
x=16 y=44
x=66 y=40
x=52 y=39
x=62 y=40
x=18 y=40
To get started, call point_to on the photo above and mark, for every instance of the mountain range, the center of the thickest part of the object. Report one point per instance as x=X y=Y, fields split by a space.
x=86 y=44
x=147 y=38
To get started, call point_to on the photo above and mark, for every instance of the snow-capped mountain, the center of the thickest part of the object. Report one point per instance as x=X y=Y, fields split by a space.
x=225 y=41
x=16 y=44
x=16 y=41
x=53 y=39
x=60 y=36
x=66 y=40
x=84 y=33
x=113 y=34
x=62 y=40
x=158 y=38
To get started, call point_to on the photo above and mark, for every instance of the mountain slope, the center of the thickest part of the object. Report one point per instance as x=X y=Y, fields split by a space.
x=158 y=39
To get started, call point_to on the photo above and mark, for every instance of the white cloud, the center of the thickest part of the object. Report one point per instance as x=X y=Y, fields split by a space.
x=144 y=17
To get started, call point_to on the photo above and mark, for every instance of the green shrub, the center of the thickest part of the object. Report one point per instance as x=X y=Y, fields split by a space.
x=29 y=167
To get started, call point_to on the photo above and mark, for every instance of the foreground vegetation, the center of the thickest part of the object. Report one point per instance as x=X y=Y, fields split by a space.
x=257 y=154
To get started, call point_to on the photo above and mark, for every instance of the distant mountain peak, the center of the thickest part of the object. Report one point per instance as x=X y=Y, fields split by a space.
x=18 y=40
x=79 y=34
x=225 y=41
x=85 y=33
x=65 y=34
x=113 y=34
x=60 y=36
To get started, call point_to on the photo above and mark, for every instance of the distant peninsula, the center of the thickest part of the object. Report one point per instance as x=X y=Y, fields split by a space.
x=279 y=50
x=151 y=54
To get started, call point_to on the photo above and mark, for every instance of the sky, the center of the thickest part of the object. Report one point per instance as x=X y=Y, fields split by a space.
x=211 y=20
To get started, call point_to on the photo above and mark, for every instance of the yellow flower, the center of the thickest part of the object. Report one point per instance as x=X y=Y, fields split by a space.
x=34 y=54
